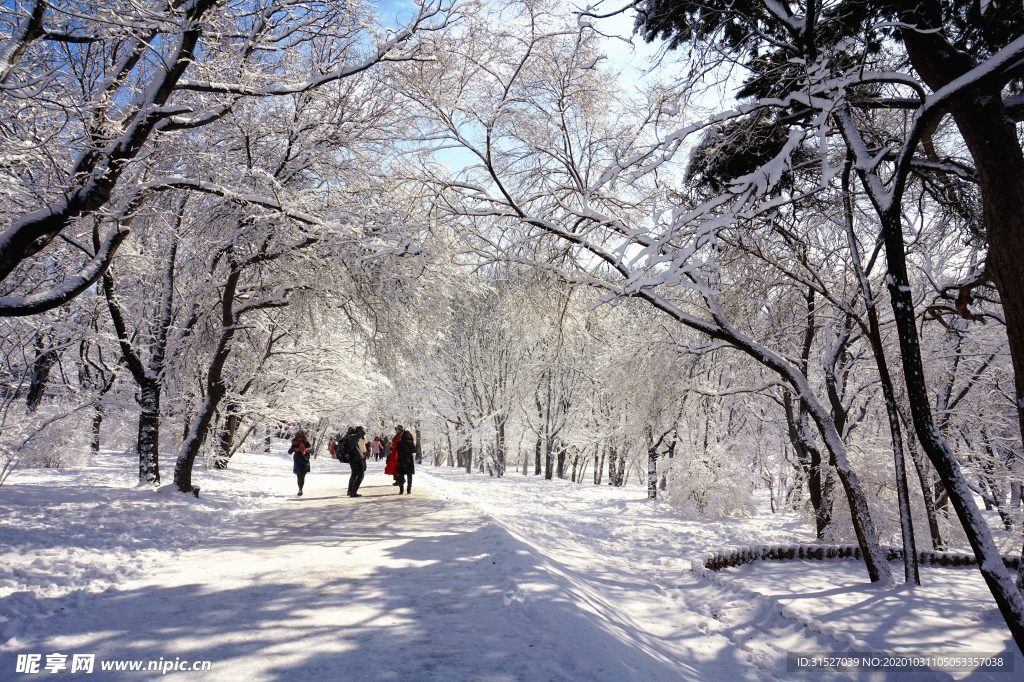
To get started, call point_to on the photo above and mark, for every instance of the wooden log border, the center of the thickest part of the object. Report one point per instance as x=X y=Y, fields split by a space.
x=739 y=556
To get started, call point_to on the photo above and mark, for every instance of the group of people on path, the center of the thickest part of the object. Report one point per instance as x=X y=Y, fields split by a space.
x=354 y=449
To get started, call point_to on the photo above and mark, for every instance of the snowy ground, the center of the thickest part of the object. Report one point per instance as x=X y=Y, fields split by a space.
x=470 y=578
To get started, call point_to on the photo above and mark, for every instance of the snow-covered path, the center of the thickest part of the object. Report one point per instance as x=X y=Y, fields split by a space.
x=421 y=587
x=470 y=578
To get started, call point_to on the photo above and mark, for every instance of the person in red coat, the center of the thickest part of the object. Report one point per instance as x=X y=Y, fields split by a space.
x=391 y=466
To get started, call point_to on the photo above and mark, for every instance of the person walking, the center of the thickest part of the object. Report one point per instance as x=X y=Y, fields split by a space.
x=354 y=445
x=375 y=448
x=406 y=460
x=300 y=452
x=391 y=466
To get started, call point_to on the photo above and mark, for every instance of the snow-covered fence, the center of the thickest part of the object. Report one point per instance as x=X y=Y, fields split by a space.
x=738 y=556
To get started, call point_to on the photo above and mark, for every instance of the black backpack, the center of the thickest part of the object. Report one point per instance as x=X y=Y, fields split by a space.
x=348 y=448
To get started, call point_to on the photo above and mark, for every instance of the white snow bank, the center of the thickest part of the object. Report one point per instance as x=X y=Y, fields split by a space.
x=68 y=531
x=952 y=609
x=759 y=606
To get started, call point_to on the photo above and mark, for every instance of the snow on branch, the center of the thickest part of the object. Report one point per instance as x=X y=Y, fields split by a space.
x=19 y=306
x=391 y=50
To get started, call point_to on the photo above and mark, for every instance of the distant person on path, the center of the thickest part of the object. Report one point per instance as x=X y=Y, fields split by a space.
x=354 y=445
x=375 y=448
x=406 y=460
x=391 y=467
x=300 y=452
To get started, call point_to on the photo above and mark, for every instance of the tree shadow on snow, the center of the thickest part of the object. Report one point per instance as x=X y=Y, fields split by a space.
x=455 y=598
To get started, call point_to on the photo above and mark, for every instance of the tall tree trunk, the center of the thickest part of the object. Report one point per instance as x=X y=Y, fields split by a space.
x=215 y=388
x=613 y=461
x=149 y=377
x=97 y=422
x=46 y=358
x=923 y=476
x=226 y=442
x=810 y=459
x=911 y=572
x=149 y=432
x=652 y=467
x=499 y=447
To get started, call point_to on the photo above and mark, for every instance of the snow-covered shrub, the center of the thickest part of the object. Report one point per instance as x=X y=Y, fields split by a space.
x=715 y=484
x=54 y=436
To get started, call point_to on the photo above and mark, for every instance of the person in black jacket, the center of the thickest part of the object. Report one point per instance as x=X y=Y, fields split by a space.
x=353 y=446
x=300 y=452
x=406 y=461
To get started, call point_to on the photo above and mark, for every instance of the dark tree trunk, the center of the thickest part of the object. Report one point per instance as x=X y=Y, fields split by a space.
x=149 y=432
x=934 y=529
x=227 y=437
x=652 y=473
x=911 y=571
x=97 y=422
x=499 y=447
x=46 y=358
x=536 y=456
x=147 y=378
x=809 y=458
x=215 y=388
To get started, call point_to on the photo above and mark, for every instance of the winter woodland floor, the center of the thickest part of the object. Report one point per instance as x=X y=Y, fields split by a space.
x=469 y=578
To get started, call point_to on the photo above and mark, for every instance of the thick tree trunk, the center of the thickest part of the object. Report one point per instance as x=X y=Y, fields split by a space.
x=226 y=442
x=45 y=359
x=148 y=379
x=149 y=432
